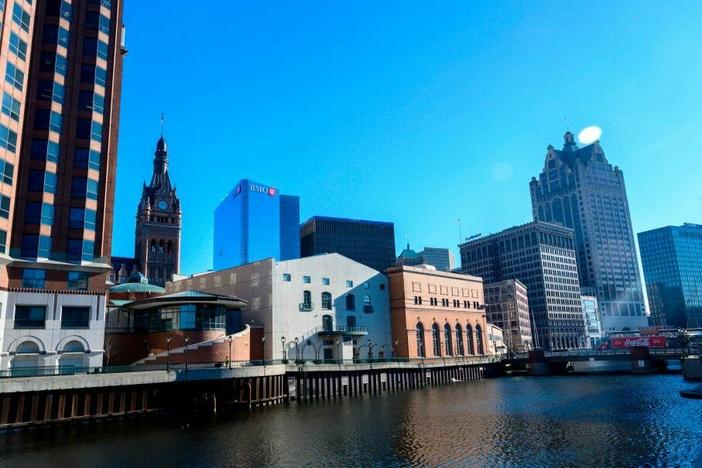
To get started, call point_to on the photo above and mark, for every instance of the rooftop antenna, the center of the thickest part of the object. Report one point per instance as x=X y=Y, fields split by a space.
x=163 y=121
x=460 y=235
x=565 y=122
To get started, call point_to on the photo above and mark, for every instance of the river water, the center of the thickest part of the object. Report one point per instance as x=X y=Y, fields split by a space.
x=519 y=421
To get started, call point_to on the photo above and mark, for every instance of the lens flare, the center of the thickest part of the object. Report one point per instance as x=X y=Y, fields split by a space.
x=589 y=135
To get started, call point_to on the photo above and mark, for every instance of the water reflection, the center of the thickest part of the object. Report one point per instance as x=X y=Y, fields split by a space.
x=576 y=421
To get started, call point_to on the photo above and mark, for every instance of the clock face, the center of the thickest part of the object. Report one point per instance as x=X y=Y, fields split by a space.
x=162 y=204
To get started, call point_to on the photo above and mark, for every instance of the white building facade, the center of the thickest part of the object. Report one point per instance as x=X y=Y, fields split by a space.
x=59 y=332
x=324 y=307
x=593 y=323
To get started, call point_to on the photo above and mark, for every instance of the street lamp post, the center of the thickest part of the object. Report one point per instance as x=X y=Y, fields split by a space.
x=230 y=351
x=297 y=349
x=168 y=355
x=187 y=340
x=282 y=346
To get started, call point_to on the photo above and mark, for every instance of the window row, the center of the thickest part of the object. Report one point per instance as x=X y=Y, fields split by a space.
x=33 y=278
x=445 y=347
x=350 y=302
x=287 y=277
x=34 y=317
x=40 y=246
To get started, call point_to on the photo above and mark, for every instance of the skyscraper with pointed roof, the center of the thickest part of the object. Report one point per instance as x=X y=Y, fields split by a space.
x=158 y=223
x=580 y=189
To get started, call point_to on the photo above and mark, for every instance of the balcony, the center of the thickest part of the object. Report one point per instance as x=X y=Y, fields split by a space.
x=342 y=330
x=306 y=307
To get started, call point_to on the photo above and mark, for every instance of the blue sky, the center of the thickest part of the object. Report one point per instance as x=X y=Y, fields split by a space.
x=413 y=112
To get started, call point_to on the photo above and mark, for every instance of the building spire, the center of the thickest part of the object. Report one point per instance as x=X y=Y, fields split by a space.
x=163 y=120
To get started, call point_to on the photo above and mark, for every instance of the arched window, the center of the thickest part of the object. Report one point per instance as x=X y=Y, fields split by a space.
x=326 y=300
x=350 y=302
x=447 y=339
x=421 y=352
x=154 y=244
x=28 y=347
x=479 y=339
x=306 y=300
x=469 y=339
x=459 y=340
x=351 y=322
x=436 y=341
x=74 y=347
x=327 y=323
x=160 y=246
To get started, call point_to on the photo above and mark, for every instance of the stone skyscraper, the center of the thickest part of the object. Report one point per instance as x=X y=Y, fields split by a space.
x=580 y=189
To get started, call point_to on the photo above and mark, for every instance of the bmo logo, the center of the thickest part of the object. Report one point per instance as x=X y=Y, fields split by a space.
x=270 y=191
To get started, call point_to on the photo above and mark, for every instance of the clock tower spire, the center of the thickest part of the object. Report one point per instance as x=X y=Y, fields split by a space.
x=158 y=222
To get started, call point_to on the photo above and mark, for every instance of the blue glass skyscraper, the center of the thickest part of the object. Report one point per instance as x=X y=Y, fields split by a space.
x=255 y=222
x=672 y=262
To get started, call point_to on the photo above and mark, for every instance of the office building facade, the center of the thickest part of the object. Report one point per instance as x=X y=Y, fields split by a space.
x=255 y=222
x=593 y=325
x=371 y=243
x=440 y=258
x=672 y=263
x=508 y=307
x=326 y=307
x=542 y=257
x=61 y=70
x=437 y=314
x=581 y=190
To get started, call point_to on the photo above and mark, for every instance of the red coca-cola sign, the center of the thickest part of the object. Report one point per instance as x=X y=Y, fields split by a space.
x=638 y=341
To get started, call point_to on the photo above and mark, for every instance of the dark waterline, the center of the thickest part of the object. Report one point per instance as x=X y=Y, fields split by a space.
x=525 y=421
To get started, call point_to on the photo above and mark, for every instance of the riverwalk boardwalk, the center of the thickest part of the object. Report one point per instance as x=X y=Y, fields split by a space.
x=108 y=393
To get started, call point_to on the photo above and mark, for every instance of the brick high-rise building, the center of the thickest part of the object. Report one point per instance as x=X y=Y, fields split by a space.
x=60 y=73
x=580 y=189
x=542 y=257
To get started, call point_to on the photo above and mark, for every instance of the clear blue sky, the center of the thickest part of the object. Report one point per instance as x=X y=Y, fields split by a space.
x=413 y=112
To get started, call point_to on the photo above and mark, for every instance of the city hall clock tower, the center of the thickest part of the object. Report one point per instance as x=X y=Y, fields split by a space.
x=158 y=223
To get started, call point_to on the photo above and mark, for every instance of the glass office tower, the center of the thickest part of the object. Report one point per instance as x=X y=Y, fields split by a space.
x=255 y=222
x=672 y=264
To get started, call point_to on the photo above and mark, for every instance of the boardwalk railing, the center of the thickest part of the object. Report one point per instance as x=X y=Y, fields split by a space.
x=223 y=365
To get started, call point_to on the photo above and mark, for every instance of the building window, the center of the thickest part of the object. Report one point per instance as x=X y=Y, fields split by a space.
x=18 y=46
x=14 y=76
x=421 y=352
x=350 y=302
x=3 y=241
x=11 y=107
x=448 y=341
x=30 y=316
x=459 y=340
x=64 y=37
x=306 y=279
x=326 y=301
x=349 y=284
x=77 y=280
x=479 y=339
x=4 y=206
x=86 y=158
x=47 y=214
x=33 y=278
x=351 y=322
x=306 y=304
x=21 y=17
x=327 y=323
x=325 y=281
x=92 y=189
x=287 y=277
x=8 y=140
x=382 y=286
x=436 y=339
x=100 y=76
x=7 y=170
x=55 y=122
x=104 y=24
x=417 y=300
x=75 y=317
x=366 y=285
x=34 y=246
x=367 y=307
x=76 y=218
x=469 y=339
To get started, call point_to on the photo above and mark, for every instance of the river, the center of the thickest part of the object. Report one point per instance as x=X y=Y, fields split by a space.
x=522 y=421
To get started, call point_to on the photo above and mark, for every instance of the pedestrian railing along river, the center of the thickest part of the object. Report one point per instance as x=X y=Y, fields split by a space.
x=185 y=366
x=605 y=353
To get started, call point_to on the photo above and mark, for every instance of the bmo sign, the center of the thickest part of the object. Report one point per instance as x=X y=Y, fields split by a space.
x=270 y=191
